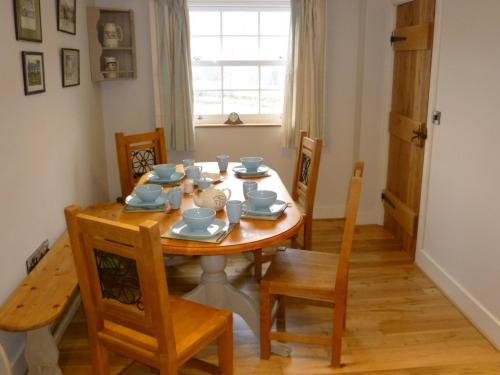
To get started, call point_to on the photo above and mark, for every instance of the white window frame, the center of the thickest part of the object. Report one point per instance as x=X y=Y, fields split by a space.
x=239 y=5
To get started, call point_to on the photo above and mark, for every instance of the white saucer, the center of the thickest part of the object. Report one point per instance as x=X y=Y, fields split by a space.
x=276 y=208
x=174 y=178
x=241 y=170
x=134 y=201
x=180 y=228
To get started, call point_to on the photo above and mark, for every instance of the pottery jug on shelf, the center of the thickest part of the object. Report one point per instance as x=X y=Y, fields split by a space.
x=212 y=198
x=112 y=35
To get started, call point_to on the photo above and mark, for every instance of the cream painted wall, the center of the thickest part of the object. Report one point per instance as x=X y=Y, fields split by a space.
x=128 y=106
x=460 y=238
x=51 y=147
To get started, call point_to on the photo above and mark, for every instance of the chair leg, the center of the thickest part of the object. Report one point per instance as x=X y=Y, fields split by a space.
x=307 y=235
x=265 y=321
x=99 y=356
x=225 y=349
x=338 y=328
x=257 y=256
x=280 y=314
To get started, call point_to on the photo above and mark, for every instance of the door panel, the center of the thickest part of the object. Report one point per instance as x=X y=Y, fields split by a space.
x=407 y=125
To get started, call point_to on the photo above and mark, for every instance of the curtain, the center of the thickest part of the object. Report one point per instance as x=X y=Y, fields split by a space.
x=304 y=88
x=174 y=70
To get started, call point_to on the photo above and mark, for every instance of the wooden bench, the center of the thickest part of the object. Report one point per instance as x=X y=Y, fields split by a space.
x=42 y=306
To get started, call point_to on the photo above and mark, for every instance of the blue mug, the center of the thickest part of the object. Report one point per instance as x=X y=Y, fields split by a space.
x=249 y=186
x=223 y=161
x=194 y=173
x=174 y=196
x=233 y=209
x=187 y=162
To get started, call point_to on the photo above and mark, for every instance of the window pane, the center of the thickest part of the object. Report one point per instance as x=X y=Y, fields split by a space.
x=274 y=47
x=207 y=103
x=274 y=23
x=240 y=23
x=272 y=77
x=204 y=23
x=205 y=48
x=271 y=102
x=246 y=102
x=240 y=48
x=207 y=78
x=241 y=77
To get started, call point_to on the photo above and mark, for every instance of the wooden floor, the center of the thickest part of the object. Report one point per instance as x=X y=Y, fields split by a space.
x=398 y=322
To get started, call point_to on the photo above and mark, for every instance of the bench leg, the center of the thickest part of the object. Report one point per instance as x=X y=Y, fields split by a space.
x=41 y=352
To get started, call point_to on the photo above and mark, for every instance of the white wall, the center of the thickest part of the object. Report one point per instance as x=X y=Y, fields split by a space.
x=128 y=106
x=51 y=147
x=461 y=238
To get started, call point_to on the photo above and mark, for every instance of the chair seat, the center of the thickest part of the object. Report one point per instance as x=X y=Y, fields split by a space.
x=194 y=326
x=302 y=273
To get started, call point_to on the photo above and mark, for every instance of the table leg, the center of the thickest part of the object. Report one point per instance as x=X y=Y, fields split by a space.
x=215 y=290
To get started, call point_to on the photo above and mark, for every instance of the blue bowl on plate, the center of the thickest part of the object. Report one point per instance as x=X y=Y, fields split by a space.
x=164 y=170
x=198 y=219
x=261 y=199
x=148 y=193
x=252 y=163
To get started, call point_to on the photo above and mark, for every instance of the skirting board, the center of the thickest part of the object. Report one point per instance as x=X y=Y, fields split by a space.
x=481 y=317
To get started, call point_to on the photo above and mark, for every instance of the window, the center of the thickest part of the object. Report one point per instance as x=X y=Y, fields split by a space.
x=239 y=61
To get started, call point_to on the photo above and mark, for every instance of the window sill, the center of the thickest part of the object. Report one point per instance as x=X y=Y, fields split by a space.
x=249 y=125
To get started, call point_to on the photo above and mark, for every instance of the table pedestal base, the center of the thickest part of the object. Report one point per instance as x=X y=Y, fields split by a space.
x=214 y=290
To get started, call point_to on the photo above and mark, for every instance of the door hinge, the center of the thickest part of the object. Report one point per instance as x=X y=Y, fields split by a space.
x=436 y=117
x=395 y=38
x=384 y=198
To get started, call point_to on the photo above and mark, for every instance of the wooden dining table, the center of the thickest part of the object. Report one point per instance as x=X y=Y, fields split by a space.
x=250 y=234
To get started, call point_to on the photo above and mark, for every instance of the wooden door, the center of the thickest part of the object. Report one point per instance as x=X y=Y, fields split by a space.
x=412 y=44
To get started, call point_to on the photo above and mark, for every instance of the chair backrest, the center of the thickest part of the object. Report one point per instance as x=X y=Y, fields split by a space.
x=306 y=172
x=122 y=279
x=351 y=214
x=137 y=153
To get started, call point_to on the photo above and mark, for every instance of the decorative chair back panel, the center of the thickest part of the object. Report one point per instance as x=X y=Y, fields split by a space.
x=137 y=154
x=305 y=181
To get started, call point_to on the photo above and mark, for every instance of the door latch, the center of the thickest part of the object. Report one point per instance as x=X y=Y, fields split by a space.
x=436 y=117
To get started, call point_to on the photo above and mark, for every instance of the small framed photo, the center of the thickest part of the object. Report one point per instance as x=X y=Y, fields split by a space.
x=70 y=65
x=33 y=73
x=28 y=20
x=66 y=16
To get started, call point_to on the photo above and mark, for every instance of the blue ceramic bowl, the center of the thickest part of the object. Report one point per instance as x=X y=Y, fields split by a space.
x=164 y=170
x=261 y=199
x=251 y=163
x=204 y=182
x=198 y=219
x=148 y=193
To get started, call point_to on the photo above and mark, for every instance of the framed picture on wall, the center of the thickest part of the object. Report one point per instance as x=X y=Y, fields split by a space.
x=66 y=16
x=70 y=67
x=28 y=20
x=33 y=72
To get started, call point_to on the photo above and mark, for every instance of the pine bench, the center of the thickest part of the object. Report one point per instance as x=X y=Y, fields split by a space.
x=42 y=306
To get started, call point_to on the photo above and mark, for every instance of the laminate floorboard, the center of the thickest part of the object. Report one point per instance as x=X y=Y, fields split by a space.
x=398 y=321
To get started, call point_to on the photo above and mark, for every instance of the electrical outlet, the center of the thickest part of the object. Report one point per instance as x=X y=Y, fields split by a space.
x=37 y=256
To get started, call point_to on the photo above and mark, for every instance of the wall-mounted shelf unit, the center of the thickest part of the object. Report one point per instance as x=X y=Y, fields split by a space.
x=123 y=20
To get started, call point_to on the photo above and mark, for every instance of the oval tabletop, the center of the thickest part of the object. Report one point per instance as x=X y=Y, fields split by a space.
x=250 y=234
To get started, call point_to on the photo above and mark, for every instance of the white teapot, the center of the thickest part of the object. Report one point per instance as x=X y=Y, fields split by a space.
x=212 y=198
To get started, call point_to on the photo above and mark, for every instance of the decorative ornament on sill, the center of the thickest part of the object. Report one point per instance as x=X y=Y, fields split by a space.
x=233 y=119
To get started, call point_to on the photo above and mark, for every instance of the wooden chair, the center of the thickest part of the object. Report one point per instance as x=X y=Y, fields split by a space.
x=128 y=308
x=311 y=275
x=303 y=193
x=137 y=154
